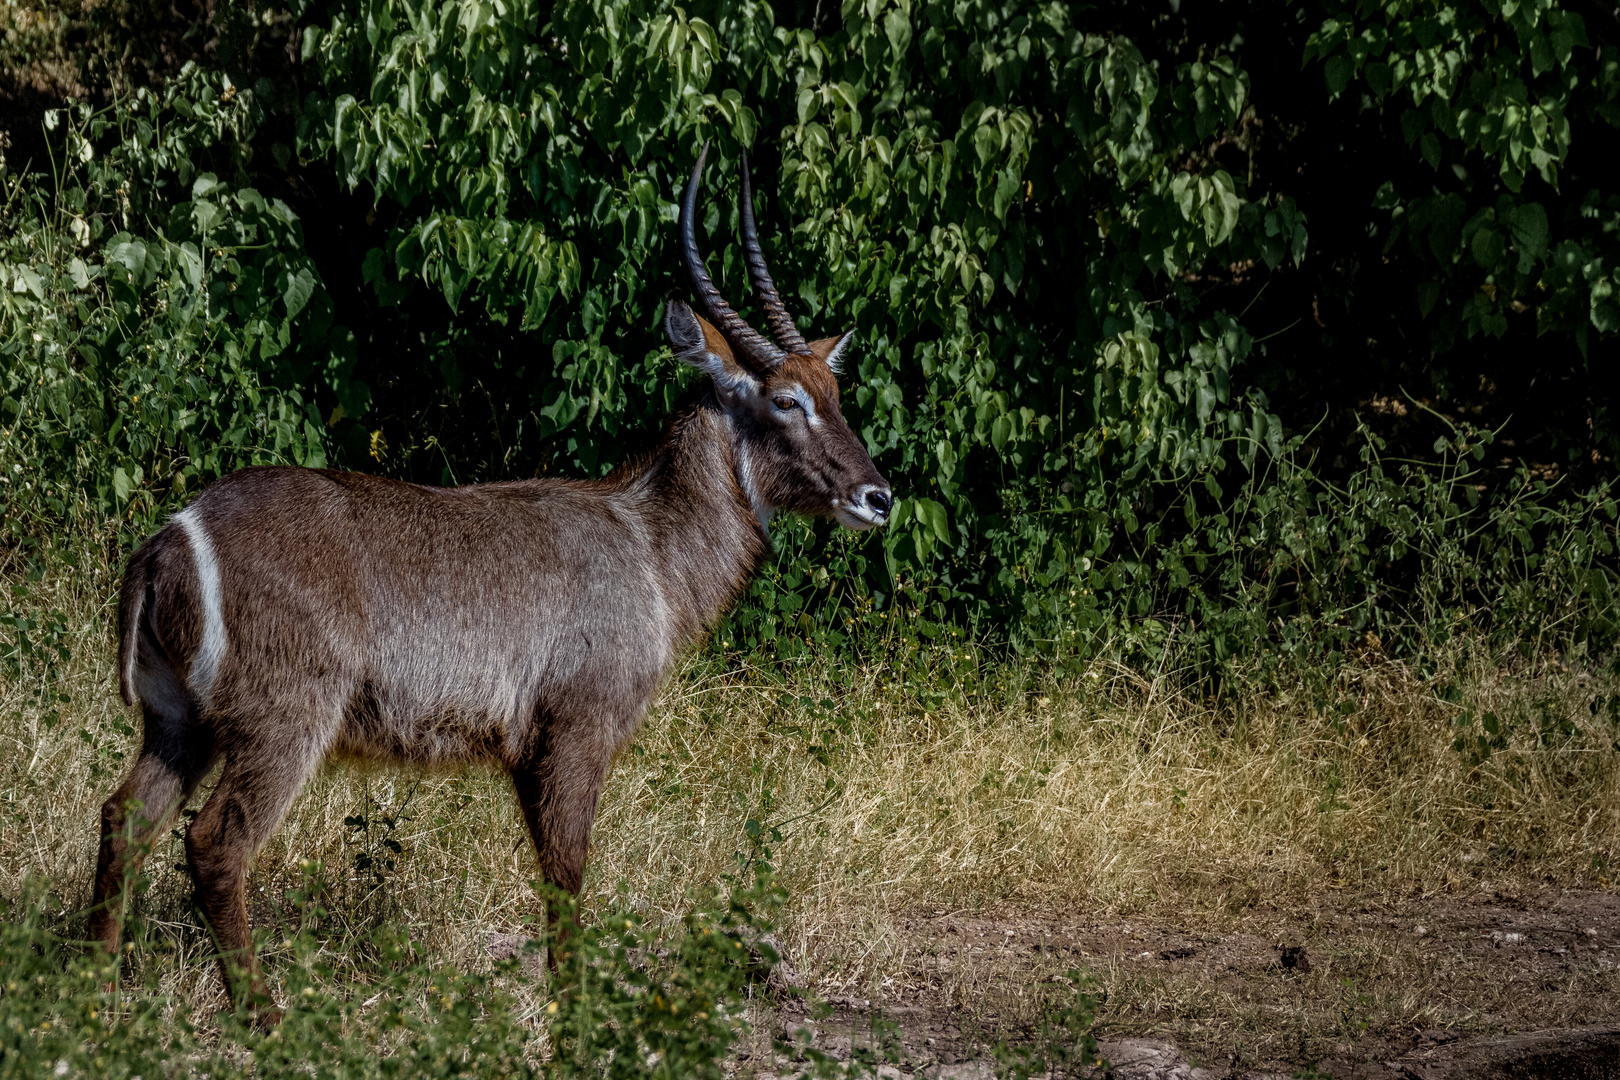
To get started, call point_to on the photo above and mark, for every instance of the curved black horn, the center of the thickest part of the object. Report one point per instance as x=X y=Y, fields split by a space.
x=754 y=350
x=777 y=319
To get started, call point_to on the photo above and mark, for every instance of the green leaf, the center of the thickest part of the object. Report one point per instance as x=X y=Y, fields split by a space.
x=1488 y=248
x=1531 y=234
x=191 y=264
x=1337 y=72
x=1000 y=431
x=932 y=515
x=923 y=544
x=299 y=287
x=1429 y=147
x=28 y=281
x=897 y=28
x=131 y=255
x=986 y=144
x=809 y=98
x=1428 y=294
x=1604 y=305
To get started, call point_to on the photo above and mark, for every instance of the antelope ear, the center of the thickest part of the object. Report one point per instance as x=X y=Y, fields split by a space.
x=830 y=350
x=698 y=343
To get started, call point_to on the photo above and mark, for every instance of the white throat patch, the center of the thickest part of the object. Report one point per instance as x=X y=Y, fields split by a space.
x=745 y=477
x=211 y=649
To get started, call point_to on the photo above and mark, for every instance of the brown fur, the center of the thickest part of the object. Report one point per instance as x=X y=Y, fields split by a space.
x=288 y=615
x=526 y=625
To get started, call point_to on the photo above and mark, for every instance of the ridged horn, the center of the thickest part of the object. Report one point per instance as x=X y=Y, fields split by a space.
x=753 y=349
x=777 y=319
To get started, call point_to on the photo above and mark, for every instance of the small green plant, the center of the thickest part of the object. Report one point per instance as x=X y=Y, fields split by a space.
x=1062 y=1044
x=627 y=1001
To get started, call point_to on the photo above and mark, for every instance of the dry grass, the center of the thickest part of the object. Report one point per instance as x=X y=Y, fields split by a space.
x=1113 y=792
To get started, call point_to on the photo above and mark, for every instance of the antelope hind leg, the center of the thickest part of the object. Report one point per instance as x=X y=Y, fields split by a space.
x=259 y=783
x=175 y=755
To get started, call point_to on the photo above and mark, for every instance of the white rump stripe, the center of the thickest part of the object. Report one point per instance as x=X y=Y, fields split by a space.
x=211 y=650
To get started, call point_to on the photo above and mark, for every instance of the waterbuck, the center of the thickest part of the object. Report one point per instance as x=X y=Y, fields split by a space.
x=287 y=615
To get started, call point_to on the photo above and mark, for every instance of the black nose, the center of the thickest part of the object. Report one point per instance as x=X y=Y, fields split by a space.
x=881 y=501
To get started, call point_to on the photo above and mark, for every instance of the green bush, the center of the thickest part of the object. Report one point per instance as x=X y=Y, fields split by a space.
x=1161 y=334
x=159 y=323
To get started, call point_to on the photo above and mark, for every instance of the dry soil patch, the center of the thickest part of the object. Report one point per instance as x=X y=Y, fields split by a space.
x=1482 y=984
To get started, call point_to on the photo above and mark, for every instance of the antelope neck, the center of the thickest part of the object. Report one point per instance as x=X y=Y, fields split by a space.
x=706 y=520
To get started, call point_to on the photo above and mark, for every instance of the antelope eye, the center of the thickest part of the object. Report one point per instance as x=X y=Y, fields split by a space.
x=785 y=403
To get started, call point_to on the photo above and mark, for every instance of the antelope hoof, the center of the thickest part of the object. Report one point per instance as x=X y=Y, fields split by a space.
x=264 y=1018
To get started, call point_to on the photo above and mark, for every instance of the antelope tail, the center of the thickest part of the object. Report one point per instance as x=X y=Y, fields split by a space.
x=131 y=606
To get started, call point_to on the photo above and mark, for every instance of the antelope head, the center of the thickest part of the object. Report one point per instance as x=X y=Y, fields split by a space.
x=790 y=444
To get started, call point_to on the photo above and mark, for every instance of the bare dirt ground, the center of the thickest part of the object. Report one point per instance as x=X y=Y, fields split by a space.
x=1521 y=982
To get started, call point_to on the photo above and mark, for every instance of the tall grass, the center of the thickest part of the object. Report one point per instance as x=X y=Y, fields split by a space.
x=922 y=781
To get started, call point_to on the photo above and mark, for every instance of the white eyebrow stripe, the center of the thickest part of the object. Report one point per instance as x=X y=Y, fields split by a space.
x=807 y=403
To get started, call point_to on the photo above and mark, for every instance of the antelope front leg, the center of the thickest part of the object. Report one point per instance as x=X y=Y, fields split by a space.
x=558 y=793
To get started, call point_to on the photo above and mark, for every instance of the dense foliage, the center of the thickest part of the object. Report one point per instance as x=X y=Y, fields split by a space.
x=1266 y=326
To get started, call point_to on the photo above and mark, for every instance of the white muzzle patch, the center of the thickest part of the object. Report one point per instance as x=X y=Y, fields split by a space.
x=857 y=513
